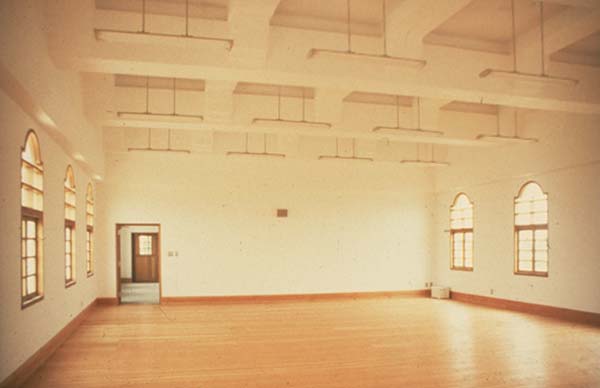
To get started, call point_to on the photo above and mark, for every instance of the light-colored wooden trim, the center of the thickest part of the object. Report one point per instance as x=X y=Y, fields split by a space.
x=107 y=301
x=37 y=359
x=532 y=227
x=530 y=308
x=118 y=257
x=291 y=297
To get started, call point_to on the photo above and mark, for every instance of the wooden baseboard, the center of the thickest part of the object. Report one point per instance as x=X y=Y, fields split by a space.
x=531 y=308
x=126 y=280
x=291 y=297
x=107 y=301
x=23 y=372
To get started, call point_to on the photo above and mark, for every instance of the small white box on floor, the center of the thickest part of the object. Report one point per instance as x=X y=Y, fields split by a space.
x=440 y=292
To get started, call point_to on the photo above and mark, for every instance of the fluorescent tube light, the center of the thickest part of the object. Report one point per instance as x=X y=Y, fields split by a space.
x=374 y=58
x=159 y=150
x=290 y=123
x=337 y=157
x=506 y=139
x=118 y=36
x=425 y=163
x=165 y=117
x=416 y=132
x=255 y=154
x=528 y=77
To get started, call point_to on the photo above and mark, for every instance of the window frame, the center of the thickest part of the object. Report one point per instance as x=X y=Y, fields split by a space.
x=89 y=249
x=533 y=228
x=69 y=187
x=35 y=215
x=463 y=232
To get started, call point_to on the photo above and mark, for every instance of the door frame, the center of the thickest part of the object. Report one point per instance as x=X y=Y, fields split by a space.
x=118 y=227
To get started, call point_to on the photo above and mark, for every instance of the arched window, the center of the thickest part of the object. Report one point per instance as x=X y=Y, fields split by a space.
x=461 y=233
x=32 y=217
x=70 y=202
x=531 y=230
x=89 y=262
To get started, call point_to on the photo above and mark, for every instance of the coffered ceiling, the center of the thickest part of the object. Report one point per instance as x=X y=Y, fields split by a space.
x=133 y=41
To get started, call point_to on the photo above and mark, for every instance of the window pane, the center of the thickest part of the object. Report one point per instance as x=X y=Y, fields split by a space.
x=541 y=255
x=525 y=265
x=31 y=285
x=541 y=266
x=525 y=235
x=145 y=245
x=525 y=255
x=522 y=207
x=540 y=206
x=68 y=273
x=541 y=234
x=523 y=219
x=31 y=267
x=31 y=228
x=525 y=244
x=541 y=245
x=540 y=218
x=468 y=253
x=31 y=248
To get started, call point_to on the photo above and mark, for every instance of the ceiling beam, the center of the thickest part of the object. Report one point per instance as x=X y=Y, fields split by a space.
x=576 y=3
x=329 y=104
x=562 y=30
x=249 y=26
x=218 y=100
x=450 y=74
x=410 y=21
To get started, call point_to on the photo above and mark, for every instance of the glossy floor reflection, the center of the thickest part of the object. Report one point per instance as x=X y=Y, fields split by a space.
x=377 y=342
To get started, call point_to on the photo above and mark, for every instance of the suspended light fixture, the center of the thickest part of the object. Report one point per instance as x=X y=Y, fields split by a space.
x=504 y=139
x=337 y=155
x=524 y=76
x=384 y=58
x=150 y=148
x=425 y=163
x=164 y=117
x=146 y=37
x=408 y=133
x=264 y=153
x=279 y=122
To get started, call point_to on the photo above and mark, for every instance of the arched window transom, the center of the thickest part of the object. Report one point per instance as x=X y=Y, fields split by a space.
x=531 y=230
x=461 y=233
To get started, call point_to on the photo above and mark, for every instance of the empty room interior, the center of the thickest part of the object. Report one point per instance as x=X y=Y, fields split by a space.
x=300 y=193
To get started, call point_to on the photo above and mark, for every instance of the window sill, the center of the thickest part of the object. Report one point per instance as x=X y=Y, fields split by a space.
x=532 y=273
x=70 y=283
x=466 y=269
x=32 y=301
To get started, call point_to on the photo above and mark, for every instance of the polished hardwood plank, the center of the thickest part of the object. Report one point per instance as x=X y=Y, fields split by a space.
x=363 y=342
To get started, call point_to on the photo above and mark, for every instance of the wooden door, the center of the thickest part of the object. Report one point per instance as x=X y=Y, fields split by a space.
x=145 y=257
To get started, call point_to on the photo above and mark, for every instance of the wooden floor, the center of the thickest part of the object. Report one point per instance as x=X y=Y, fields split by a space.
x=378 y=342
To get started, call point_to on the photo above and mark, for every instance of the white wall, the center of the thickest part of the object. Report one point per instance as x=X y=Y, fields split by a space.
x=566 y=164
x=24 y=331
x=35 y=93
x=351 y=227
